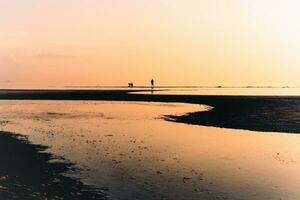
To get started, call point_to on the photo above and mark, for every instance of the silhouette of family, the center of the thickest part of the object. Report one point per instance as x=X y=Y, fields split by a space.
x=130 y=85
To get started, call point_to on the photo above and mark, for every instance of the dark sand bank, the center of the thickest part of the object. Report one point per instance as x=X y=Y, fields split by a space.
x=27 y=172
x=257 y=113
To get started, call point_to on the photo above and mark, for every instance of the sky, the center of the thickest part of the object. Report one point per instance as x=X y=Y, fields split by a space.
x=176 y=42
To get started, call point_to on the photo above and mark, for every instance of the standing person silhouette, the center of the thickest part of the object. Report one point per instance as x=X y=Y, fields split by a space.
x=152 y=84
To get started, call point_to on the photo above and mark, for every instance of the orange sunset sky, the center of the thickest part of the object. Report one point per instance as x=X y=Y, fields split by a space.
x=176 y=42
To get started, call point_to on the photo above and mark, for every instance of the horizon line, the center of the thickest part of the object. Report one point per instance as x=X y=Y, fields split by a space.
x=178 y=86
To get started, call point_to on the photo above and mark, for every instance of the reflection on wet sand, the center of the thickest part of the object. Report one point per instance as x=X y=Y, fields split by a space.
x=128 y=149
x=27 y=172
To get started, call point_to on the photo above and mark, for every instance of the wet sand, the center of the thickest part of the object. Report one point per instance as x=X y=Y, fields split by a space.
x=257 y=113
x=129 y=151
x=28 y=172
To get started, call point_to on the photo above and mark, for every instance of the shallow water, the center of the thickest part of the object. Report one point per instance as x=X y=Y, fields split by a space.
x=129 y=151
x=176 y=90
x=227 y=91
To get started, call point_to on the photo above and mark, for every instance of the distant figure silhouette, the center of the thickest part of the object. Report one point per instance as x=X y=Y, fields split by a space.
x=152 y=83
x=130 y=85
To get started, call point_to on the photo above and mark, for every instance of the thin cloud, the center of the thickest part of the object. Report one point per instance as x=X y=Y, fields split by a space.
x=54 y=56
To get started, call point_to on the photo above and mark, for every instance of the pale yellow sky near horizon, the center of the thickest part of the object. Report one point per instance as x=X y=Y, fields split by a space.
x=176 y=42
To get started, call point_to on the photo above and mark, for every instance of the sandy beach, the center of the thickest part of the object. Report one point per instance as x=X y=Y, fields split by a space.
x=247 y=112
x=149 y=100
x=128 y=150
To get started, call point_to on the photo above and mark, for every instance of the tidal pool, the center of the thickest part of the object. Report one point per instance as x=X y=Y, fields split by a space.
x=129 y=151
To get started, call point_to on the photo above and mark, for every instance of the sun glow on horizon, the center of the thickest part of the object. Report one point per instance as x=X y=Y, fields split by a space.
x=194 y=42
